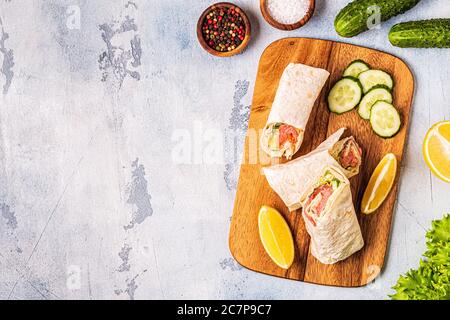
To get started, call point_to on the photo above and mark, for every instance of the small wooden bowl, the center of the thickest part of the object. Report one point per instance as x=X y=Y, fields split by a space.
x=287 y=27
x=210 y=50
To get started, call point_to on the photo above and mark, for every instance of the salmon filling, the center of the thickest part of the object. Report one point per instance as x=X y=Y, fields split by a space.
x=350 y=155
x=318 y=199
x=287 y=133
x=282 y=139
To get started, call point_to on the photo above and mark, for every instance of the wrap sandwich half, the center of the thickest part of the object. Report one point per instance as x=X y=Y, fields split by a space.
x=291 y=180
x=299 y=87
x=330 y=217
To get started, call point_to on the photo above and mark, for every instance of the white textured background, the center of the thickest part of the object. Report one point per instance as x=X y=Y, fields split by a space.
x=92 y=204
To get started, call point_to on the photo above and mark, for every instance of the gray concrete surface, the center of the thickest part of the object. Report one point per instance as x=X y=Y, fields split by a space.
x=99 y=199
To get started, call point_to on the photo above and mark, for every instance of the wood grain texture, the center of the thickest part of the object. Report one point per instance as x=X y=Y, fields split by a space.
x=253 y=190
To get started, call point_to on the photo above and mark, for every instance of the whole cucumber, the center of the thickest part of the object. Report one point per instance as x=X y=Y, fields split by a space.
x=433 y=33
x=357 y=15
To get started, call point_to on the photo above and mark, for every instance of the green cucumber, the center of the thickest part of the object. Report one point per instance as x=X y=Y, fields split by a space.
x=357 y=16
x=345 y=95
x=385 y=119
x=274 y=141
x=371 y=78
x=355 y=68
x=433 y=33
x=274 y=137
x=378 y=93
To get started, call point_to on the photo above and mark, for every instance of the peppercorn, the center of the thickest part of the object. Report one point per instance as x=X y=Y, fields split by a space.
x=224 y=29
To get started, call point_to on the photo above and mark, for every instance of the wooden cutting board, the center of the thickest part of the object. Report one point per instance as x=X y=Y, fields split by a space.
x=253 y=190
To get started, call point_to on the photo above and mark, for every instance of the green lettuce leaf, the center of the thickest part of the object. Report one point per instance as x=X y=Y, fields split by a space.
x=440 y=231
x=431 y=281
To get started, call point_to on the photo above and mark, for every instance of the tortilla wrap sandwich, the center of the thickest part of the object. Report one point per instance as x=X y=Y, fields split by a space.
x=291 y=180
x=330 y=217
x=299 y=87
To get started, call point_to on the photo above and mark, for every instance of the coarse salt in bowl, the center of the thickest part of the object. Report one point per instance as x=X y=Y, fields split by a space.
x=287 y=11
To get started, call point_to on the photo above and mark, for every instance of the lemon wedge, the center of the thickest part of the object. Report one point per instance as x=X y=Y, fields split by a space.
x=276 y=237
x=380 y=184
x=436 y=150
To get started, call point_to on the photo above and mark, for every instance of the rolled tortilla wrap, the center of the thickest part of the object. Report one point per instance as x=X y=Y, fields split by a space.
x=330 y=218
x=299 y=87
x=291 y=180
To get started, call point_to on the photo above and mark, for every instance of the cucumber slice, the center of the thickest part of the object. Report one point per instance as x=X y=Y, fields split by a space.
x=385 y=119
x=274 y=139
x=372 y=78
x=355 y=68
x=345 y=95
x=377 y=93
